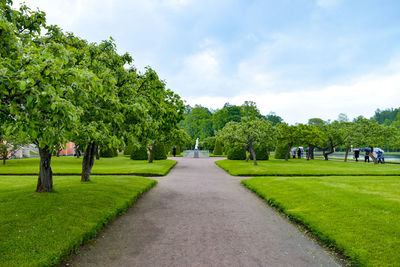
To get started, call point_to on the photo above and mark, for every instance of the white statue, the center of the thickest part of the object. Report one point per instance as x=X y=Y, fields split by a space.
x=197 y=144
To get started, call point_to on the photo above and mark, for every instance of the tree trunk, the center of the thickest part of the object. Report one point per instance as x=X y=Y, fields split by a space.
x=253 y=154
x=97 y=152
x=151 y=156
x=45 y=180
x=311 y=151
x=346 y=154
x=88 y=161
x=372 y=156
x=4 y=160
x=58 y=153
x=288 y=151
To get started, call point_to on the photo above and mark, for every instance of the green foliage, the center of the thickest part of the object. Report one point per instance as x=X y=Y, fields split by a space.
x=360 y=215
x=387 y=116
x=139 y=152
x=128 y=149
x=208 y=143
x=107 y=152
x=75 y=214
x=262 y=152
x=217 y=148
x=281 y=150
x=198 y=123
x=160 y=152
x=249 y=133
x=236 y=153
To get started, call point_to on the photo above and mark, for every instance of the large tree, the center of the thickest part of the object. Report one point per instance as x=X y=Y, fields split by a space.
x=39 y=79
x=249 y=133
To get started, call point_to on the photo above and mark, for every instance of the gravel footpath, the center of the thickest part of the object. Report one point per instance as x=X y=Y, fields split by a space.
x=199 y=215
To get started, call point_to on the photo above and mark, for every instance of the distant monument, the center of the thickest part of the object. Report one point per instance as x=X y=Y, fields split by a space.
x=196 y=153
x=196 y=148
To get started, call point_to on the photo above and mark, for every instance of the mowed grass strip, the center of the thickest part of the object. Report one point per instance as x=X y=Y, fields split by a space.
x=303 y=167
x=73 y=165
x=42 y=229
x=359 y=216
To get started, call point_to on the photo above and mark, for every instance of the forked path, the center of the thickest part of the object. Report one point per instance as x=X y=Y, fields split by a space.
x=199 y=215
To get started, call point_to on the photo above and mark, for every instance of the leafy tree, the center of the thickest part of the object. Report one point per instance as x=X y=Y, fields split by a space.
x=179 y=138
x=249 y=109
x=227 y=114
x=373 y=134
x=311 y=136
x=289 y=135
x=165 y=110
x=248 y=134
x=198 y=123
x=208 y=143
x=273 y=118
x=386 y=116
x=37 y=84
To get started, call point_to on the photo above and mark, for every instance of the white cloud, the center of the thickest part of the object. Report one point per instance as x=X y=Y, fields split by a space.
x=361 y=97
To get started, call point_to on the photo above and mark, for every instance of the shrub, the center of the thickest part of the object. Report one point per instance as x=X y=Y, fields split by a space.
x=217 y=148
x=236 y=153
x=107 y=152
x=139 y=152
x=209 y=143
x=280 y=151
x=262 y=153
x=159 y=152
x=128 y=149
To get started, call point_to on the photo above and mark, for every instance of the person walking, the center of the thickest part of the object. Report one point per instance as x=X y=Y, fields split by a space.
x=174 y=151
x=356 y=154
x=380 y=157
x=366 y=155
x=299 y=153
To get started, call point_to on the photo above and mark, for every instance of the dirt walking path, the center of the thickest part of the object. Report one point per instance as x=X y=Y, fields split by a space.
x=199 y=215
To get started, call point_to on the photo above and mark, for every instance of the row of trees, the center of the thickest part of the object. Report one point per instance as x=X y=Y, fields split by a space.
x=200 y=122
x=252 y=133
x=56 y=87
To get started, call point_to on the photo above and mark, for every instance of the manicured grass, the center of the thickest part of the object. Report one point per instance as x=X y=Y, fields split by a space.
x=72 y=165
x=302 y=167
x=42 y=229
x=359 y=216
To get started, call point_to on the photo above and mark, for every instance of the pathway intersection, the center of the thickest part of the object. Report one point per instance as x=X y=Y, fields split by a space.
x=198 y=215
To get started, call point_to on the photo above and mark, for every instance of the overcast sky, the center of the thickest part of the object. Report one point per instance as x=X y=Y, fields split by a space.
x=297 y=58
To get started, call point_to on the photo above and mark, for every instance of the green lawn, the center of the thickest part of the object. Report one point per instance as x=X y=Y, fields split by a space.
x=359 y=216
x=72 y=165
x=42 y=229
x=302 y=167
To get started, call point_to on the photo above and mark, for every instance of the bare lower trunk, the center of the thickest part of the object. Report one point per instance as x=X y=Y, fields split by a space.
x=326 y=154
x=288 y=152
x=45 y=180
x=151 y=156
x=88 y=161
x=97 y=153
x=4 y=161
x=58 y=153
x=253 y=154
x=371 y=154
x=346 y=154
x=312 y=152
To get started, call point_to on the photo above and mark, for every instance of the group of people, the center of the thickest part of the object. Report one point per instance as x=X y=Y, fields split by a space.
x=299 y=151
x=378 y=154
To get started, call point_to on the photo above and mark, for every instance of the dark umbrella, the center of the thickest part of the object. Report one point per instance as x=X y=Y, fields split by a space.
x=367 y=148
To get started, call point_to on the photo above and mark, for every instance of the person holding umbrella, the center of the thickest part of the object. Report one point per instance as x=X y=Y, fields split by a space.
x=356 y=153
x=379 y=153
x=366 y=154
